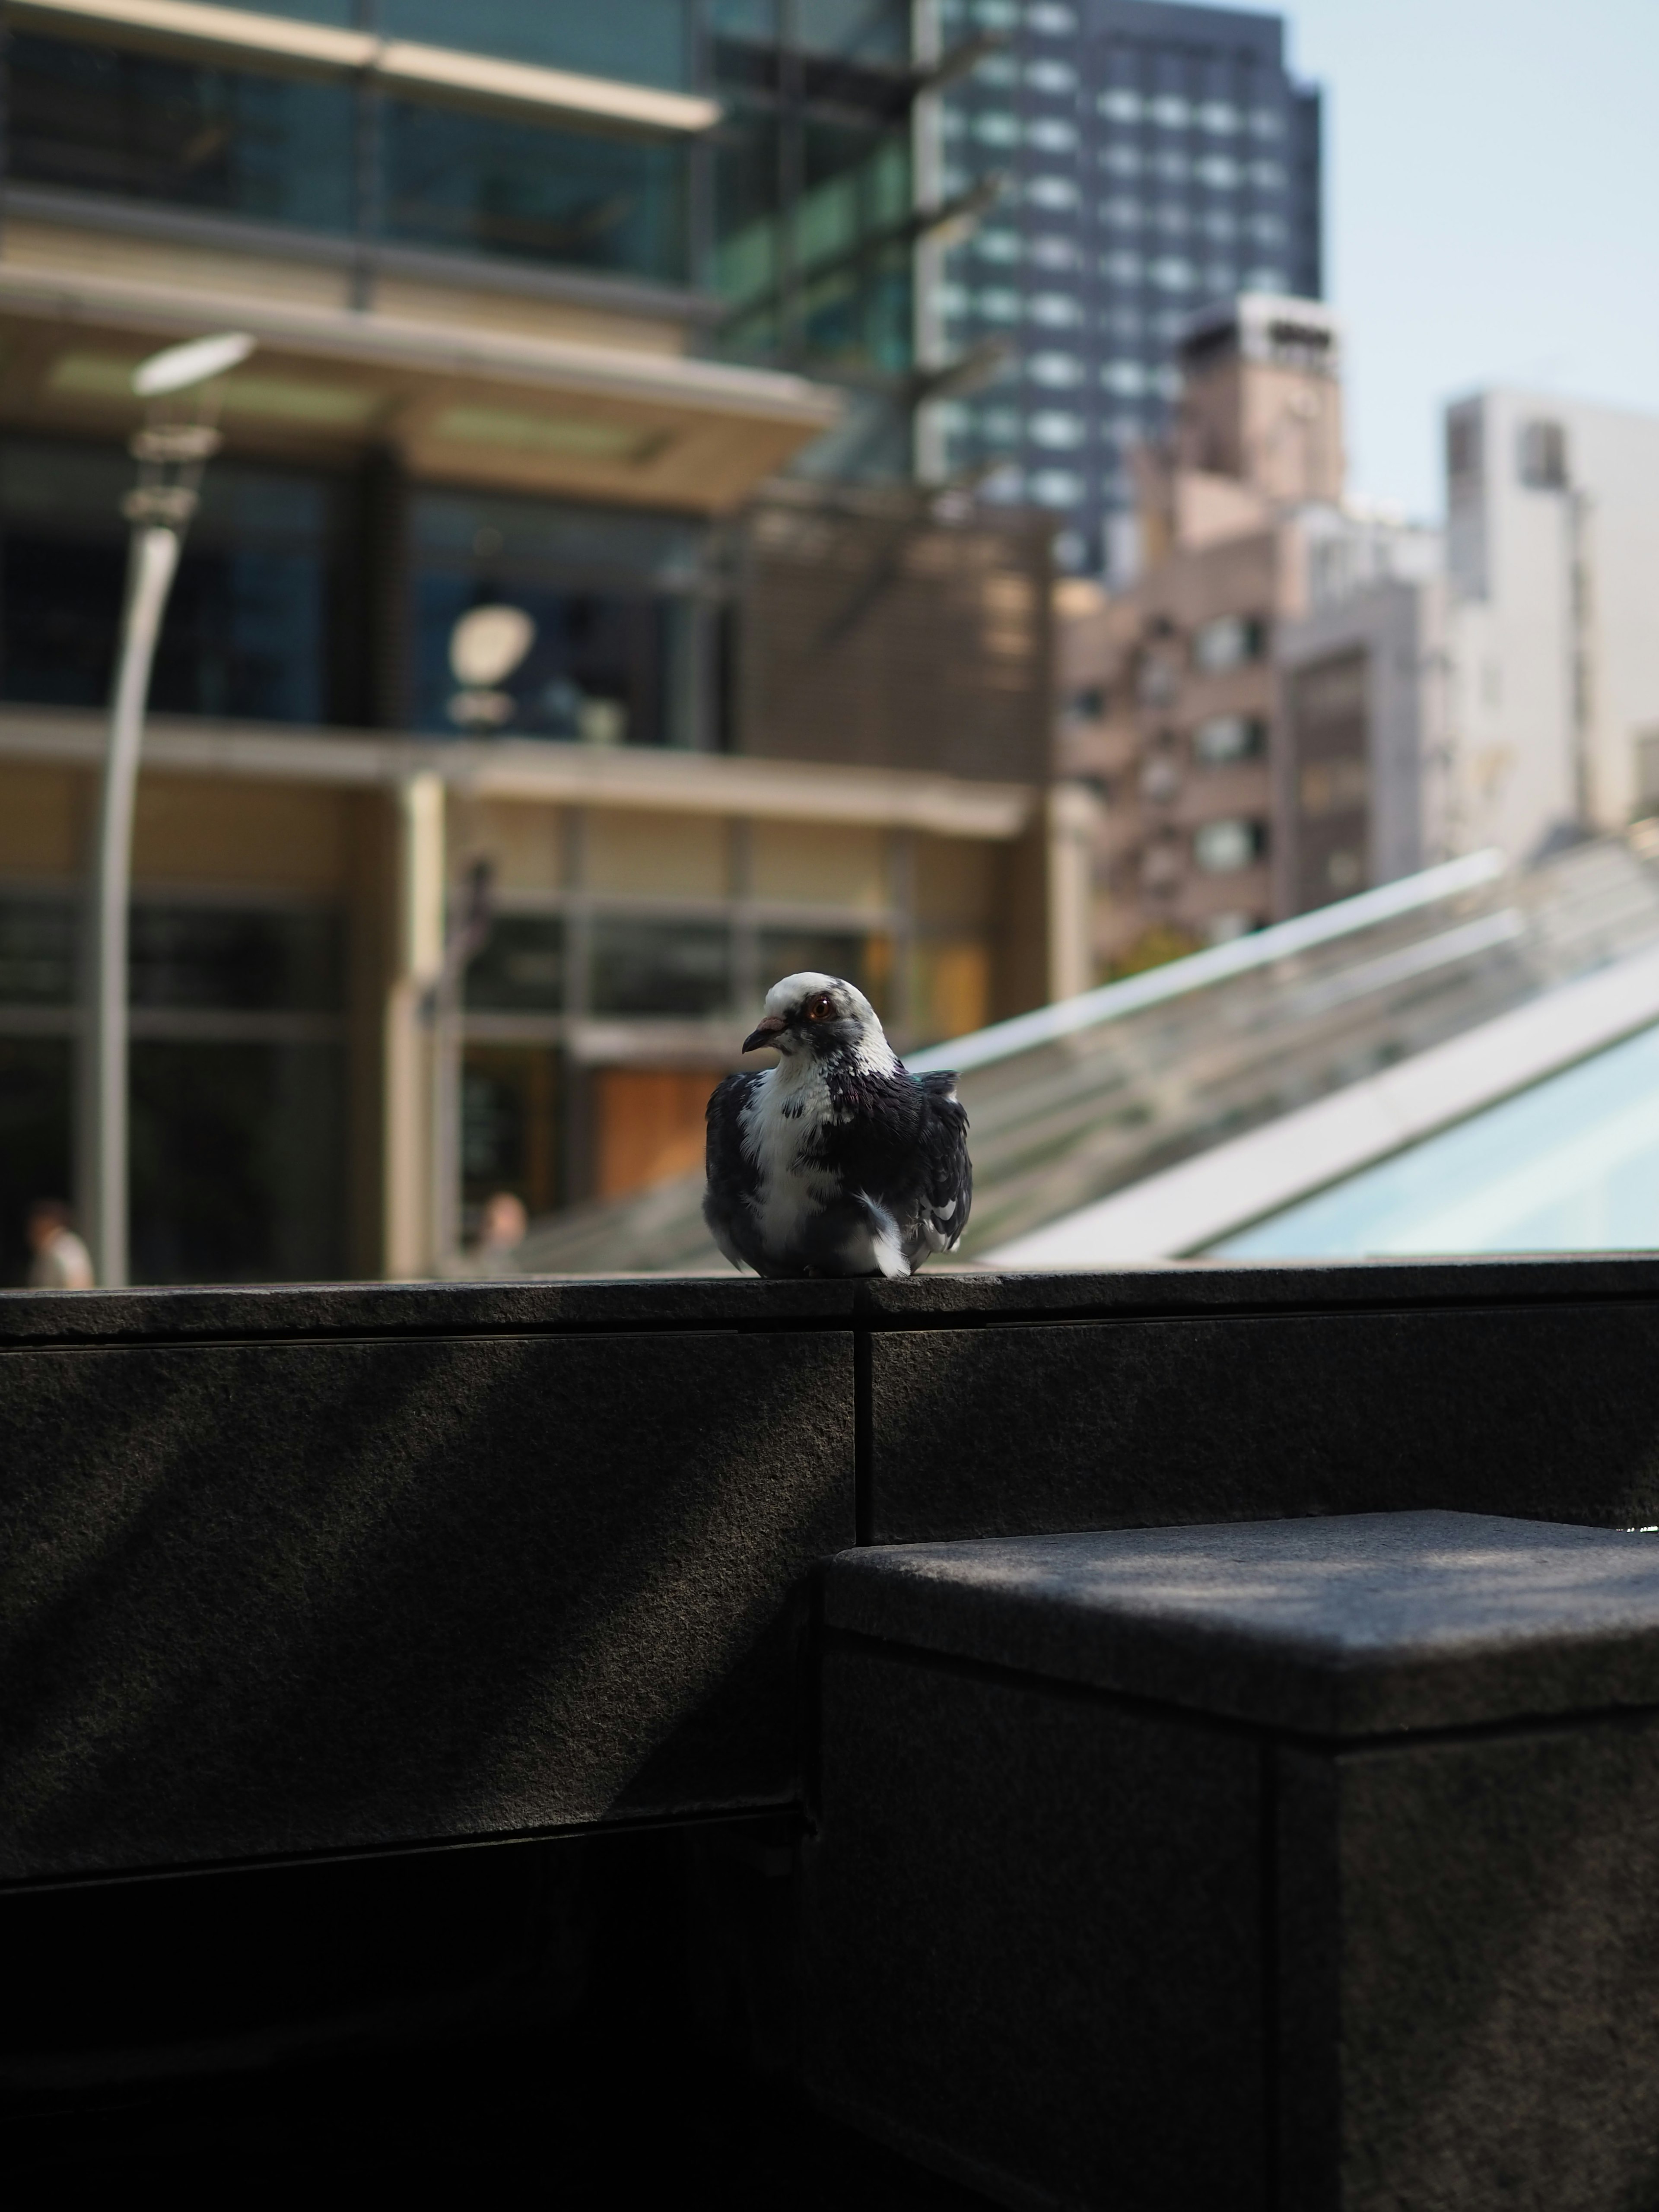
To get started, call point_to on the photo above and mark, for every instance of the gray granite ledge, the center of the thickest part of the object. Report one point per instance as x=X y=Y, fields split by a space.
x=1350 y=1625
x=1168 y=1289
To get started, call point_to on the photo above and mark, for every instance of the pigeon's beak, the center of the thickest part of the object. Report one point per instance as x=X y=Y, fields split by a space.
x=764 y=1032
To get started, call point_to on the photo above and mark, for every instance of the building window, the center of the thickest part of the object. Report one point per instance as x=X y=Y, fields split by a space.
x=260 y=624
x=1127 y=378
x=1221 y=848
x=237 y=1079
x=1121 y=161
x=1464 y=449
x=1226 y=738
x=1054 y=192
x=995 y=128
x=1051 y=77
x=1172 y=274
x=1218 y=172
x=521 y=967
x=1049 y=135
x=1056 y=310
x=1121 y=213
x=609 y=617
x=1058 y=370
x=1121 y=106
x=1543 y=456
x=1055 y=429
x=998 y=245
x=662 y=968
x=997 y=305
x=1217 y=116
x=1171 y=112
x=101 y=119
x=640 y=41
x=1229 y=642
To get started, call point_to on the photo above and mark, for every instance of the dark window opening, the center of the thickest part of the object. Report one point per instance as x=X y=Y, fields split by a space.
x=666 y=967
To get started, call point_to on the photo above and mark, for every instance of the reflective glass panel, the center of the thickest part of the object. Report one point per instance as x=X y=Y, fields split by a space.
x=866 y=961
x=238 y=1162
x=660 y=968
x=639 y=41
x=512 y=1125
x=38 y=938
x=520 y=968
x=1570 y=1166
x=610 y=657
x=34 y=1138
x=102 y=119
x=254 y=627
x=474 y=182
x=248 y=959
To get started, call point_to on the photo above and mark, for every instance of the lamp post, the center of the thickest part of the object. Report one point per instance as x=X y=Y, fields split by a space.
x=171 y=450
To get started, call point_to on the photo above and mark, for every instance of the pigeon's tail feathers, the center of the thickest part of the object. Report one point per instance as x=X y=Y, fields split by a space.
x=886 y=1241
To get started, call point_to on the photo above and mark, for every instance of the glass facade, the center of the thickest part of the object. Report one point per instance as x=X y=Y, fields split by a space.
x=1153 y=158
x=618 y=651
x=104 y=119
x=238 y=1075
x=475 y=183
x=346 y=161
x=639 y=41
x=260 y=618
x=810 y=191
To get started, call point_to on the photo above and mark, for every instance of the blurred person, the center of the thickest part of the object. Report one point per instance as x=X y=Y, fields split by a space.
x=61 y=1260
x=501 y=1229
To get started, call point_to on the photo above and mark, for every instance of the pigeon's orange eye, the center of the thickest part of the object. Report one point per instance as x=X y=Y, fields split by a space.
x=822 y=1009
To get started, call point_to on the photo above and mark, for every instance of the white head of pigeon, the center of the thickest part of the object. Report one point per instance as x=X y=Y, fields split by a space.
x=811 y=1018
x=837 y=1161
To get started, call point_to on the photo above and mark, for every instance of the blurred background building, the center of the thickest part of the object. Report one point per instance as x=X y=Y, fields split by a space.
x=547 y=301
x=1148 y=160
x=1552 y=533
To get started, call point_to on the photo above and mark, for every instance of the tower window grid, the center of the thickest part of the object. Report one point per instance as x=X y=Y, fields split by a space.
x=1153 y=162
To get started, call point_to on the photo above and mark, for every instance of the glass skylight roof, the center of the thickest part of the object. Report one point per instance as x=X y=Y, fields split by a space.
x=1570 y=1166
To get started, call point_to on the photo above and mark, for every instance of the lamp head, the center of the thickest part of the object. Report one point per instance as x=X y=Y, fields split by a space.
x=178 y=368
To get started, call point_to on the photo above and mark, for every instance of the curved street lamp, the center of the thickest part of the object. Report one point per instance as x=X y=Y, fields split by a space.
x=171 y=450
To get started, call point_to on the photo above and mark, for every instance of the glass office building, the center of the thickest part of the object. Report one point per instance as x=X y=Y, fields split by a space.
x=1154 y=159
x=542 y=297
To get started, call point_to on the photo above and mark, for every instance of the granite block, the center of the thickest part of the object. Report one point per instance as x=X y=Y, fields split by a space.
x=1353 y=1624
x=268 y=1598
x=1034 y=1927
x=522 y=1306
x=1468 y=1973
x=1544 y=1410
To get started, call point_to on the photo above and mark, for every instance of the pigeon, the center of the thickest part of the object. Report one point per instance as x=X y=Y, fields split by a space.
x=838 y=1161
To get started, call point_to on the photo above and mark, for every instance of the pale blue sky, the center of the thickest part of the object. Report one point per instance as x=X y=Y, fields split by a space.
x=1491 y=208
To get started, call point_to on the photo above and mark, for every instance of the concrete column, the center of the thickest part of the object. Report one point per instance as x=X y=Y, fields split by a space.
x=1074 y=828
x=417 y=947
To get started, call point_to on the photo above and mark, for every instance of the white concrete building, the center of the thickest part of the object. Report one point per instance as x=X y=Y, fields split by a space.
x=1553 y=512
x=1362 y=788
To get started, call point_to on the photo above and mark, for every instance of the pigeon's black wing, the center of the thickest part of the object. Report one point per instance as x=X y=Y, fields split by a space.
x=947 y=1191
x=731 y=1176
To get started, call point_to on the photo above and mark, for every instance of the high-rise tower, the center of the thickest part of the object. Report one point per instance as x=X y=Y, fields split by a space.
x=1156 y=158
